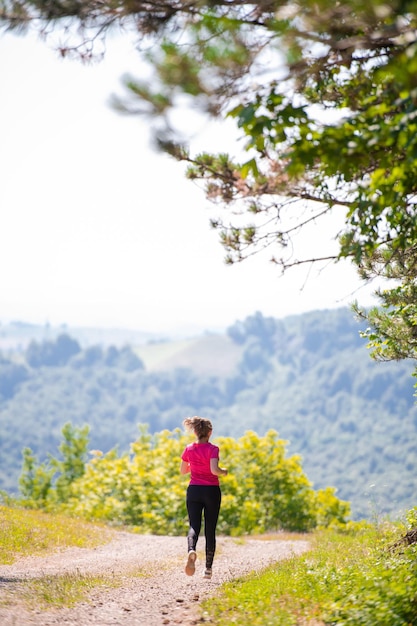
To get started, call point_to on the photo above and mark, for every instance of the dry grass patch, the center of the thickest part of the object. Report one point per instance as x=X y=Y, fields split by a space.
x=25 y=532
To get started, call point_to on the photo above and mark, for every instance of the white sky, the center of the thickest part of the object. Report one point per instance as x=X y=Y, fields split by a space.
x=97 y=229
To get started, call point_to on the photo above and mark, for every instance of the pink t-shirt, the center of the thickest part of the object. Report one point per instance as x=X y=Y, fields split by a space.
x=198 y=455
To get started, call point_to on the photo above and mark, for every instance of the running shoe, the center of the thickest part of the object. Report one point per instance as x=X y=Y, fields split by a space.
x=190 y=566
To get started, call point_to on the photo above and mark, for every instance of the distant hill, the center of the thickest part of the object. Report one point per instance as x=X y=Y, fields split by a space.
x=309 y=377
x=208 y=355
x=15 y=336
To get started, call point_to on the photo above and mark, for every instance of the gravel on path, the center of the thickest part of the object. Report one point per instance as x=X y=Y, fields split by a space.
x=152 y=588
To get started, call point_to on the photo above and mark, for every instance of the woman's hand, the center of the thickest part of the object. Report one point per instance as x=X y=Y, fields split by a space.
x=215 y=469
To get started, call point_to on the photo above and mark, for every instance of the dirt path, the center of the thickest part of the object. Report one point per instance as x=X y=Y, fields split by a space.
x=154 y=589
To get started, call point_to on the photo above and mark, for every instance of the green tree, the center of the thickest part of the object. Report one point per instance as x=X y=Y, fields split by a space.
x=393 y=331
x=42 y=484
x=35 y=482
x=323 y=92
x=52 y=353
x=74 y=451
x=141 y=488
x=264 y=490
x=11 y=376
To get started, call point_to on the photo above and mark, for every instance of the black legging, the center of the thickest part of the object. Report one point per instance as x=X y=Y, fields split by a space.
x=205 y=498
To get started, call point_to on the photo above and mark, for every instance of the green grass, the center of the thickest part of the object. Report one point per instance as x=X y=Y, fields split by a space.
x=348 y=579
x=351 y=578
x=57 y=591
x=25 y=532
x=28 y=532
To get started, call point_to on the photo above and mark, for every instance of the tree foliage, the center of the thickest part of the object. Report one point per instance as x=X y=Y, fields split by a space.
x=11 y=375
x=52 y=353
x=35 y=482
x=44 y=484
x=393 y=331
x=74 y=453
x=264 y=490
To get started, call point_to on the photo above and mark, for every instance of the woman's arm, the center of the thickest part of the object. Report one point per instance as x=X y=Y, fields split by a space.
x=215 y=469
x=185 y=467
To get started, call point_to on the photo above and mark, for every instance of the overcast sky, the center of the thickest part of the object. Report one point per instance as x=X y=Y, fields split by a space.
x=97 y=229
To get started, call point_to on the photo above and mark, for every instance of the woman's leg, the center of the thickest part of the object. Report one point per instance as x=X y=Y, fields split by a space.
x=211 y=515
x=195 y=510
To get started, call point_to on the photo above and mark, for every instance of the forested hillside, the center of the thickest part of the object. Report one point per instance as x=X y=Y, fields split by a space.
x=309 y=377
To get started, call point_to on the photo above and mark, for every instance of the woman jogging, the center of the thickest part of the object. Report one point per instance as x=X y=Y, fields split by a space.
x=201 y=459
